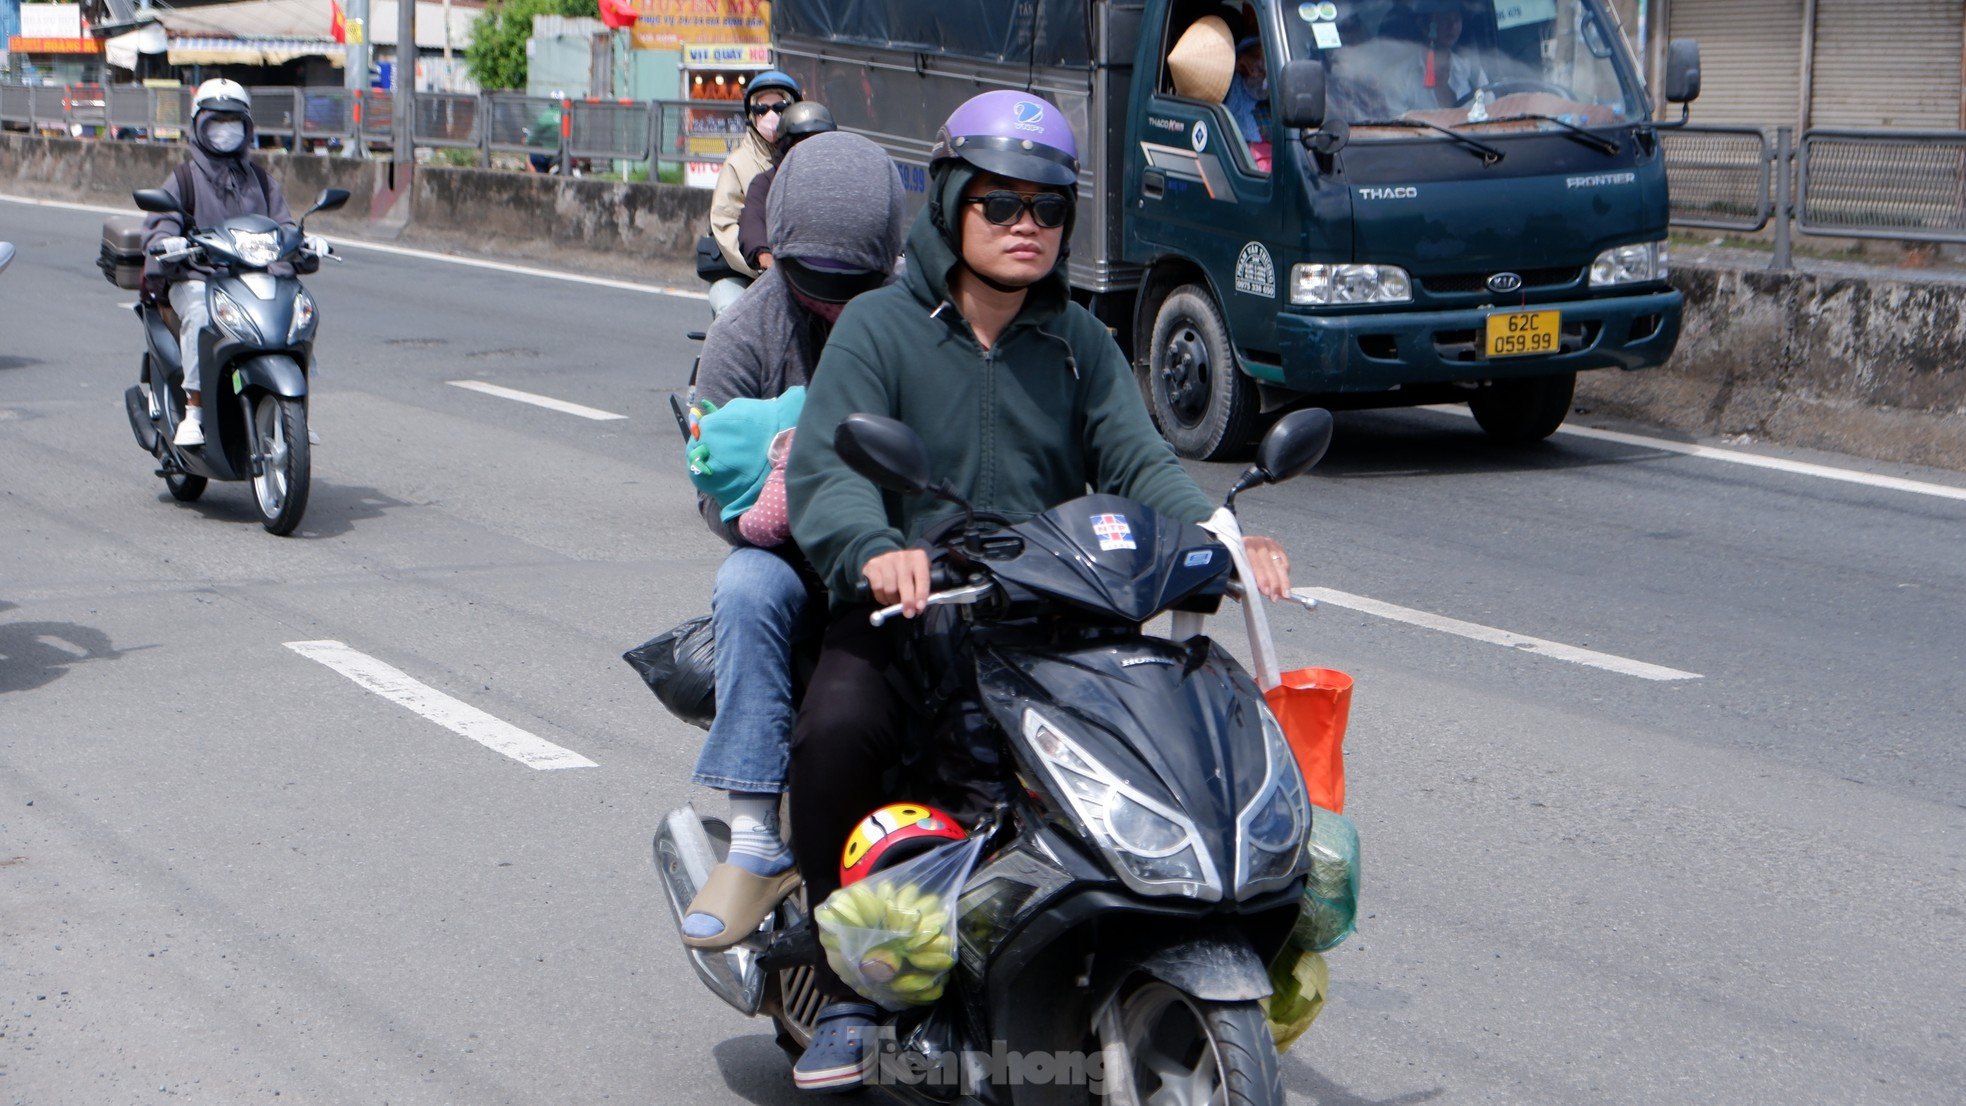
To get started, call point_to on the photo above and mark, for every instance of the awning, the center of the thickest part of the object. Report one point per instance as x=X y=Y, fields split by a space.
x=122 y=50
x=252 y=51
x=311 y=21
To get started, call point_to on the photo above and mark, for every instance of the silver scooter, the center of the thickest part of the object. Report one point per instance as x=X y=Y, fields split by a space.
x=256 y=352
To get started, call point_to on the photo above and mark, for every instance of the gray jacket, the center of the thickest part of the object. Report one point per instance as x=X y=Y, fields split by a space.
x=827 y=203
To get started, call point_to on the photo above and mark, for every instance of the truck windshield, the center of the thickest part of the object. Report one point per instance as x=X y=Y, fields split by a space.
x=1490 y=66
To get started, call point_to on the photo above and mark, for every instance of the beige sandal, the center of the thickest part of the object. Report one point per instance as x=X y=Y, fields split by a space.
x=740 y=900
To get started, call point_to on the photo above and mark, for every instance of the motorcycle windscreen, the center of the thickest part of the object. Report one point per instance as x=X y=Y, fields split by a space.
x=1113 y=556
x=1179 y=723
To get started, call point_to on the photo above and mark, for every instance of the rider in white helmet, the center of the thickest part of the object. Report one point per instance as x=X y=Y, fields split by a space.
x=218 y=182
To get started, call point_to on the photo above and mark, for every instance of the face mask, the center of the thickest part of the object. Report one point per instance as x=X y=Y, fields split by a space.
x=828 y=311
x=767 y=125
x=226 y=135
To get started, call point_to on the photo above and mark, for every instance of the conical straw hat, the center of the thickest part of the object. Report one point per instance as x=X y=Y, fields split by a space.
x=1203 y=60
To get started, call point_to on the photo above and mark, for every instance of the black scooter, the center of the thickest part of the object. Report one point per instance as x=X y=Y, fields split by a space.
x=1145 y=860
x=255 y=352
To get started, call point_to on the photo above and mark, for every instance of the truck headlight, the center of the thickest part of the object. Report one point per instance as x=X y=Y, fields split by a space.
x=1318 y=284
x=1152 y=846
x=1271 y=829
x=1643 y=263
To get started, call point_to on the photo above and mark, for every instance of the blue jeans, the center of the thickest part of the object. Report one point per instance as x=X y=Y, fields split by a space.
x=756 y=612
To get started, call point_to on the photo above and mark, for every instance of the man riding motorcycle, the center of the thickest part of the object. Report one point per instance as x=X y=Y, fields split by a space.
x=1025 y=401
x=220 y=181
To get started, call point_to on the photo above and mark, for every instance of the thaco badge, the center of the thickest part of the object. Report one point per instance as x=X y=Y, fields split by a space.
x=1515 y=333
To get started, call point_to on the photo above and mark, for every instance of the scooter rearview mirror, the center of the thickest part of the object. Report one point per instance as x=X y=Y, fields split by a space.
x=156 y=200
x=6 y=255
x=1294 y=444
x=330 y=199
x=885 y=451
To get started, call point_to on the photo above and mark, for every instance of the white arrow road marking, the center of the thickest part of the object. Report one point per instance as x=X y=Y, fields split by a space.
x=1493 y=636
x=459 y=717
x=547 y=402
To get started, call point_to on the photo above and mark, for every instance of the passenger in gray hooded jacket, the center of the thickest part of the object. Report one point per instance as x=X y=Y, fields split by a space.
x=834 y=219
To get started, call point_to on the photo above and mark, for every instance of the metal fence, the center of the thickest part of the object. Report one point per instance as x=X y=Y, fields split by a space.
x=663 y=134
x=1907 y=186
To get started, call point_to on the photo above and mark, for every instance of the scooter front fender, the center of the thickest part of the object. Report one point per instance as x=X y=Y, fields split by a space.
x=271 y=372
x=1217 y=965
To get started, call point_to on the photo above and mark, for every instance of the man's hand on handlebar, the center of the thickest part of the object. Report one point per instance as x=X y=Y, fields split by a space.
x=1270 y=564
x=900 y=577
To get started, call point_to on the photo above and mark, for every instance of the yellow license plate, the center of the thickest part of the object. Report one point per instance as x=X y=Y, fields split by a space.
x=1519 y=333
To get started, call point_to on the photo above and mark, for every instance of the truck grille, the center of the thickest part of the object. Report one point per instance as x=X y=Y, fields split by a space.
x=1461 y=284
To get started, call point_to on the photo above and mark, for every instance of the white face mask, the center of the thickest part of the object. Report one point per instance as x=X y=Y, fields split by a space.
x=767 y=125
x=226 y=135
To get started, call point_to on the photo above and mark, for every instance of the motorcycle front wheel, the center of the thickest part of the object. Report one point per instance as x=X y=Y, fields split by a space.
x=1164 y=1047
x=280 y=438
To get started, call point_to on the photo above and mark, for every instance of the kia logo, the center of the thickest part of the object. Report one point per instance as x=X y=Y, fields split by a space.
x=1029 y=113
x=1505 y=283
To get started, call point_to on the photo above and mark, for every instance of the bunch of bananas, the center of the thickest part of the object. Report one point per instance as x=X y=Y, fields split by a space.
x=889 y=939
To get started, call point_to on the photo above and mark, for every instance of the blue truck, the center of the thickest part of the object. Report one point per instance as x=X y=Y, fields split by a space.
x=1404 y=202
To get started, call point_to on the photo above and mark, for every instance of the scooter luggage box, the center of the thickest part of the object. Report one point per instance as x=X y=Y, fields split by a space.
x=122 y=251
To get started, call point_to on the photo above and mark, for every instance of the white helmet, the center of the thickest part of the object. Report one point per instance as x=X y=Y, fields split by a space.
x=220 y=94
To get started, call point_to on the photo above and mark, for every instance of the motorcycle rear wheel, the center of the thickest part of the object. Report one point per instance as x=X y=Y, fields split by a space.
x=280 y=436
x=1167 y=1048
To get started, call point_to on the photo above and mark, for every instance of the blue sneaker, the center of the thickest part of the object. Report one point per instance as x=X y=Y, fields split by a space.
x=838 y=1058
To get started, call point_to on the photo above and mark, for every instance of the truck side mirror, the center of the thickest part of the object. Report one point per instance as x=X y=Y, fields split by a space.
x=1683 y=71
x=1300 y=89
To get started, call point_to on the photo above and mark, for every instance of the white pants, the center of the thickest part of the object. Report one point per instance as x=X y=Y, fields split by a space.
x=188 y=300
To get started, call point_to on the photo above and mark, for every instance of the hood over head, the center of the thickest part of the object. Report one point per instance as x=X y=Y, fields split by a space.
x=837 y=202
x=932 y=255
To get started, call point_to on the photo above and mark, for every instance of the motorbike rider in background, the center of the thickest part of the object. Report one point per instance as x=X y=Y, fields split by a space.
x=835 y=224
x=1024 y=401
x=220 y=181
x=800 y=122
x=765 y=101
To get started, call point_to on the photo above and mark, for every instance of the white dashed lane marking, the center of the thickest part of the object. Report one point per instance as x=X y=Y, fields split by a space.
x=547 y=402
x=455 y=715
x=1477 y=632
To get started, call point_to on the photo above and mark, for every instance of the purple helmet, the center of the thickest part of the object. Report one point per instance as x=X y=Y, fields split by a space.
x=1012 y=134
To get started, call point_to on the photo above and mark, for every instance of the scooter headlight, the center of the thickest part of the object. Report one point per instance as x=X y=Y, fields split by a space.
x=233 y=317
x=257 y=247
x=1272 y=827
x=303 y=316
x=1152 y=846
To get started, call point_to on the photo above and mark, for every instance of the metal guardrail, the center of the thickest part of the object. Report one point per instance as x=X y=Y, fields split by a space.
x=1906 y=186
x=1875 y=184
x=1721 y=177
x=562 y=131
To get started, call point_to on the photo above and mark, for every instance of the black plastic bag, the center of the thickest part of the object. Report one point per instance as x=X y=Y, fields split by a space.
x=680 y=666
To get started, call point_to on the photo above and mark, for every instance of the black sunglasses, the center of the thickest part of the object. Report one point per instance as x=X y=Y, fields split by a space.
x=761 y=110
x=1006 y=209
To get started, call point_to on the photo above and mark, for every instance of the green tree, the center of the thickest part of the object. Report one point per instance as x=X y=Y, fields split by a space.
x=496 y=56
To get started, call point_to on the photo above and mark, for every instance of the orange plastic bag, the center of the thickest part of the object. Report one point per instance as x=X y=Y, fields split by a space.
x=1313 y=705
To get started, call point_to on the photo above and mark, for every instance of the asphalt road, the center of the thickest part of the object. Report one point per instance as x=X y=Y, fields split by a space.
x=229 y=872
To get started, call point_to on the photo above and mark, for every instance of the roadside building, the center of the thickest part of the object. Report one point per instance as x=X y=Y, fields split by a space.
x=1817 y=63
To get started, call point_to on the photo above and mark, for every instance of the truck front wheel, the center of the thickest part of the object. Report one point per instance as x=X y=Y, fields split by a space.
x=1524 y=410
x=1205 y=406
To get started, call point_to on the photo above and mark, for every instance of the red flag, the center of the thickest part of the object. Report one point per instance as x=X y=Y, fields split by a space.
x=338 y=22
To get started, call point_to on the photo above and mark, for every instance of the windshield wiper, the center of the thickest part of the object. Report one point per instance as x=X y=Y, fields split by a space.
x=1595 y=141
x=1489 y=154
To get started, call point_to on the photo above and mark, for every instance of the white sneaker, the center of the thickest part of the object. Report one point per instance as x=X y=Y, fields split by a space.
x=191 y=431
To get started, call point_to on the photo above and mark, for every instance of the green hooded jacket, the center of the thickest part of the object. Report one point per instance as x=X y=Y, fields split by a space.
x=1052 y=410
